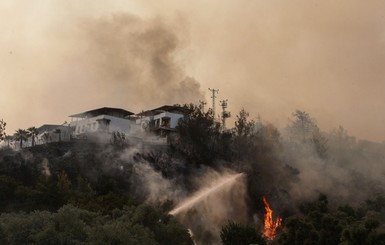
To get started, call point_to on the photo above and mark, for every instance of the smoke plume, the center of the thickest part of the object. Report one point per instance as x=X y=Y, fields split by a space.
x=350 y=172
x=135 y=60
x=219 y=197
x=89 y=61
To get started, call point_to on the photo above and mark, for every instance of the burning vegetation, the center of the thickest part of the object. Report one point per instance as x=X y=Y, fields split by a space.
x=271 y=224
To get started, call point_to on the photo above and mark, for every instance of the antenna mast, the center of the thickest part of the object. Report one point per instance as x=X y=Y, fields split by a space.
x=225 y=114
x=213 y=91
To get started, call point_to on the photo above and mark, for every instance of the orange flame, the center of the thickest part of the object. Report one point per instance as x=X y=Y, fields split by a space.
x=271 y=225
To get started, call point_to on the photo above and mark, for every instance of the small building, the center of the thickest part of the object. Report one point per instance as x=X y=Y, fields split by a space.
x=48 y=133
x=101 y=121
x=151 y=126
x=162 y=120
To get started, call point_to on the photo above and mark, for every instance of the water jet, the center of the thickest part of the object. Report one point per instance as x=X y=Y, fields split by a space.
x=205 y=192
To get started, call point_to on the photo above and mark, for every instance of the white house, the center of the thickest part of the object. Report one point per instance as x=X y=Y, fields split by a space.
x=161 y=120
x=148 y=127
x=48 y=133
x=152 y=126
x=103 y=121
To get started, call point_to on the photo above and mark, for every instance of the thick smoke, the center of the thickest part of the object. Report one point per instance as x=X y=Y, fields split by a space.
x=152 y=186
x=326 y=57
x=206 y=215
x=135 y=60
x=147 y=184
x=81 y=63
x=350 y=172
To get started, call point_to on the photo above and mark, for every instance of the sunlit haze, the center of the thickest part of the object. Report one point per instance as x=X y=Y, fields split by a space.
x=271 y=57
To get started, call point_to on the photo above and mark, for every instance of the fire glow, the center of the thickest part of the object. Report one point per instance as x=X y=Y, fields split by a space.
x=271 y=225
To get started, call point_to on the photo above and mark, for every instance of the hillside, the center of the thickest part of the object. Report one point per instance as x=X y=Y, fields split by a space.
x=326 y=187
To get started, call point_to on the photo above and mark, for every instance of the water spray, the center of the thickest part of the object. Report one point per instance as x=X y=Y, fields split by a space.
x=200 y=195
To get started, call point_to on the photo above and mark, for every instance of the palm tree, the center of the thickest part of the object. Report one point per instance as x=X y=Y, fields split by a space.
x=20 y=135
x=33 y=132
x=8 y=139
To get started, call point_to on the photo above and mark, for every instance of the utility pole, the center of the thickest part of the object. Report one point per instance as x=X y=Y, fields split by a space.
x=213 y=91
x=202 y=104
x=225 y=114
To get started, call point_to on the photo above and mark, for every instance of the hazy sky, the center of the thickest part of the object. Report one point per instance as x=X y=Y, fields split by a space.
x=272 y=57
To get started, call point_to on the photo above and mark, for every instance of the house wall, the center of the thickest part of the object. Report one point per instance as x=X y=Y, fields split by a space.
x=135 y=129
x=174 y=118
x=93 y=124
x=50 y=136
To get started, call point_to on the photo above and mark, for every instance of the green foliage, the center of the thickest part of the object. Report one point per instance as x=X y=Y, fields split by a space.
x=321 y=205
x=71 y=225
x=67 y=226
x=31 y=180
x=243 y=127
x=99 y=203
x=253 y=141
x=2 y=129
x=244 y=132
x=303 y=129
x=120 y=232
x=198 y=136
x=8 y=187
x=345 y=226
x=165 y=228
x=359 y=233
x=236 y=233
x=298 y=231
x=377 y=204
